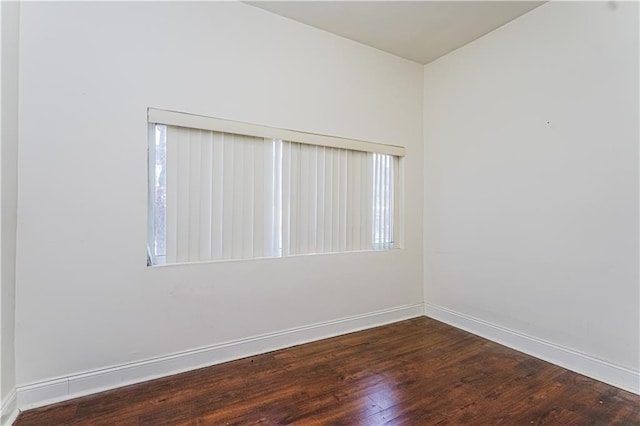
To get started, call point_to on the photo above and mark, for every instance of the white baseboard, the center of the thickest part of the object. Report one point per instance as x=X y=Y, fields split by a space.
x=9 y=409
x=603 y=371
x=73 y=386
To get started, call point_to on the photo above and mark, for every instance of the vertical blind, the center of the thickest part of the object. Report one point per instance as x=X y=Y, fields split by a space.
x=219 y=198
x=219 y=195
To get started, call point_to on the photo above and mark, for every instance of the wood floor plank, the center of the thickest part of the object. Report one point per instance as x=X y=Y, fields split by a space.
x=415 y=372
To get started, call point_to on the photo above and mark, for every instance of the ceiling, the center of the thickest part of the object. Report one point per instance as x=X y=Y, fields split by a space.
x=420 y=31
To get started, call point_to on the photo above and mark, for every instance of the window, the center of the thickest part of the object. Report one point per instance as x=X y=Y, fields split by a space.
x=226 y=190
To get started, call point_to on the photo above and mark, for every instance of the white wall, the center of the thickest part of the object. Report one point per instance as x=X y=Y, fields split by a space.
x=531 y=226
x=531 y=180
x=10 y=16
x=88 y=71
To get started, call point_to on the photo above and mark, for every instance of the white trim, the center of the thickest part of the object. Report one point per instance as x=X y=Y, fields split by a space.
x=570 y=359
x=64 y=388
x=193 y=121
x=9 y=409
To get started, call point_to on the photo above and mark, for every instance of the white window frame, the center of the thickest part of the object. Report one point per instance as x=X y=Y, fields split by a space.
x=193 y=121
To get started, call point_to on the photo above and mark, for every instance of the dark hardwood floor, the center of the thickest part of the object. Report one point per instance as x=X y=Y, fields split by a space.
x=415 y=372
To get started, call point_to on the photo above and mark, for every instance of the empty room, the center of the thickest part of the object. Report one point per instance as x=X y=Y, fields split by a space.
x=348 y=213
